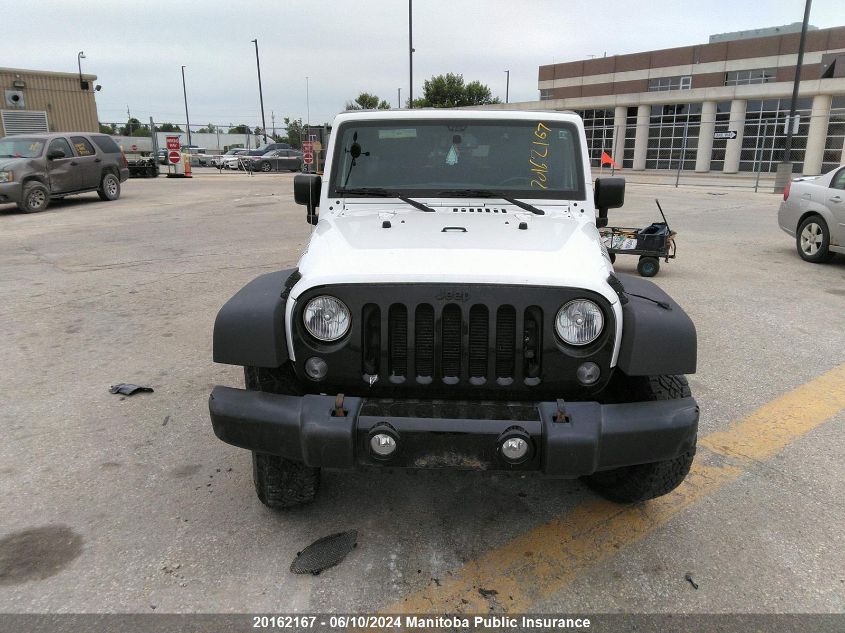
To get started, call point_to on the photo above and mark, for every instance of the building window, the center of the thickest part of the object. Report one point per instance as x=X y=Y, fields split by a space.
x=673 y=136
x=630 y=137
x=834 y=148
x=545 y=94
x=763 y=134
x=682 y=82
x=746 y=77
x=598 y=127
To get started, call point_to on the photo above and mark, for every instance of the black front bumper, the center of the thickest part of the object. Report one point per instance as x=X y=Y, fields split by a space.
x=592 y=437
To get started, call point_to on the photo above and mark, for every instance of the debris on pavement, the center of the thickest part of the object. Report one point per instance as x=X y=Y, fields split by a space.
x=325 y=552
x=127 y=389
x=486 y=593
x=688 y=578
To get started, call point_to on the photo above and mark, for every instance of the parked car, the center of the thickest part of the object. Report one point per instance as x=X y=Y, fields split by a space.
x=260 y=151
x=277 y=160
x=813 y=211
x=235 y=161
x=161 y=156
x=199 y=157
x=36 y=168
x=217 y=159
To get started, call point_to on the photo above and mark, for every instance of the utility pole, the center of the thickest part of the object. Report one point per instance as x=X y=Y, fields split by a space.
x=784 y=169
x=260 y=93
x=187 y=118
x=507 y=84
x=128 y=122
x=273 y=123
x=307 y=103
x=411 y=53
x=399 y=98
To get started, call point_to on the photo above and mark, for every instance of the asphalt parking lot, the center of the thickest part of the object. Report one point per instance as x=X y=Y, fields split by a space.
x=133 y=505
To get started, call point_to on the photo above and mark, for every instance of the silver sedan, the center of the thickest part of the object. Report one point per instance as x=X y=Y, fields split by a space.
x=813 y=211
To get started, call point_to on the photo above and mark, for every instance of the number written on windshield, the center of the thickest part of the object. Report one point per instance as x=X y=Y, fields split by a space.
x=538 y=158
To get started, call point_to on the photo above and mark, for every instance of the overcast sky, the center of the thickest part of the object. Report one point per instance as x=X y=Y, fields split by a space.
x=345 y=46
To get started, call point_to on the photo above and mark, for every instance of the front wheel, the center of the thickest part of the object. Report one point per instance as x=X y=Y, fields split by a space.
x=281 y=484
x=109 y=187
x=265 y=167
x=35 y=198
x=630 y=484
x=813 y=240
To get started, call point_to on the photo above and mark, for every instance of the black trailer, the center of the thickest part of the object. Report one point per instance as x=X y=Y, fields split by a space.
x=652 y=243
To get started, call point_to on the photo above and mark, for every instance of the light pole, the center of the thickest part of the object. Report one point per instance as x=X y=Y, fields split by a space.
x=260 y=93
x=507 y=84
x=410 y=53
x=187 y=119
x=307 y=105
x=399 y=98
x=79 y=57
x=784 y=169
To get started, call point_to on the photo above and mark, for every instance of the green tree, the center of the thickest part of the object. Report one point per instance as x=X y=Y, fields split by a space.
x=108 y=128
x=208 y=129
x=366 y=101
x=239 y=129
x=133 y=127
x=450 y=91
x=295 y=132
x=168 y=127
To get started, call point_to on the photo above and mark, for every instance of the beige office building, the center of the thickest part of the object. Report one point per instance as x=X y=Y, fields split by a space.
x=716 y=107
x=41 y=101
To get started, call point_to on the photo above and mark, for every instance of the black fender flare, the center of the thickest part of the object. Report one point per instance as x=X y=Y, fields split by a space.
x=655 y=340
x=250 y=328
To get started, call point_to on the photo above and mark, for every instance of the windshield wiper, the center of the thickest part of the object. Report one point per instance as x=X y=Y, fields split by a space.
x=488 y=193
x=378 y=192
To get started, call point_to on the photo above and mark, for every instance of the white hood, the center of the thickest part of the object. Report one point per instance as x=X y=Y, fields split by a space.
x=561 y=248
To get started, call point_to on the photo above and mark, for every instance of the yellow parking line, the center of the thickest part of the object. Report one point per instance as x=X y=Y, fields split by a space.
x=544 y=560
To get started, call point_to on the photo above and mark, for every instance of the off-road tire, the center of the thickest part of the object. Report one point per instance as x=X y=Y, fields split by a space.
x=109 y=187
x=813 y=228
x=630 y=484
x=280 y=483
x=35 y=198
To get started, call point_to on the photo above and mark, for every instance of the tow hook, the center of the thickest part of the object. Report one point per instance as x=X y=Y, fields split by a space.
x=561 y=415
x=339 y=411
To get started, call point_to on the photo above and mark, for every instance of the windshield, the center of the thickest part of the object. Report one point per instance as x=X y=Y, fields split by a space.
x=527 y=159
x=21 y=147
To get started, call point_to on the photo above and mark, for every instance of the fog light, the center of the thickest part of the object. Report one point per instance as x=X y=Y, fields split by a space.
x=316 y=368
x=588 y=374
x=382 y=445
x=514 y=448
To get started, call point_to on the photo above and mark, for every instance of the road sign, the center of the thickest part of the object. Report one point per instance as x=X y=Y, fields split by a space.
x=307 y=146
x=307 y=158
x=728 y=134
x=174 y=157
x=134 y=148
x=173 y=143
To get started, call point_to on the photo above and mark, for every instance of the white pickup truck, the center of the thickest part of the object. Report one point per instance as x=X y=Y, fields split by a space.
x=455 y=309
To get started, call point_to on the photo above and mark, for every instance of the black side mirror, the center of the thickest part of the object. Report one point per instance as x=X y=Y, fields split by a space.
x=609 y=193
x=56 y=153
x=306 y=190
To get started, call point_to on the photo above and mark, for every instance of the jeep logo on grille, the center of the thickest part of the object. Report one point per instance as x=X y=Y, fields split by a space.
x=453 y=295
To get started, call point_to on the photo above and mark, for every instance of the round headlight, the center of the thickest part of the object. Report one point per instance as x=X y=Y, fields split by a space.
x=579 y=322
x=326 y=318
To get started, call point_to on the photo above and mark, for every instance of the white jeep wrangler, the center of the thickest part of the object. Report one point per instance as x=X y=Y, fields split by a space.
x=455 y=308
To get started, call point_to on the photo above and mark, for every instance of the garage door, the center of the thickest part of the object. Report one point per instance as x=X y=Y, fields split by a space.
x=24 y=122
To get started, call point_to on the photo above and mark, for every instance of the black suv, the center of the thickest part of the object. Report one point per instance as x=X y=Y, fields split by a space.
x=35 y=168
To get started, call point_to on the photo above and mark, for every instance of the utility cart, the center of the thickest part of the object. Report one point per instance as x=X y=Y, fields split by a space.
x=652 y=243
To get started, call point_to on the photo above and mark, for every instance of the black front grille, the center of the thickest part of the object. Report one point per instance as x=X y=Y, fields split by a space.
x=452 y=343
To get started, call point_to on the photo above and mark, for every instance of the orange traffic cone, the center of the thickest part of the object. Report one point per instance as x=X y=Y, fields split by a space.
x=186 y=162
